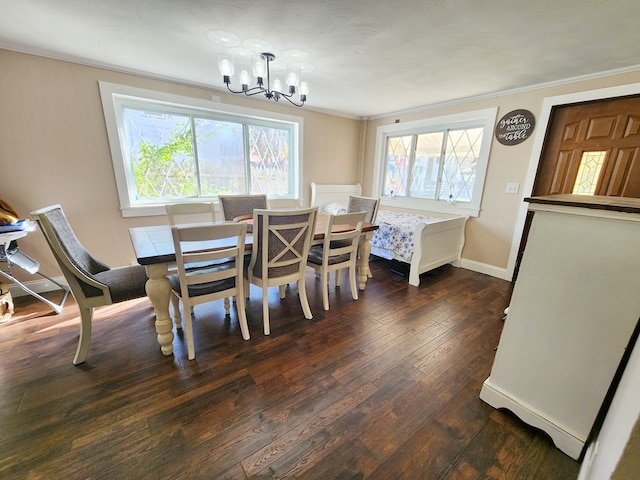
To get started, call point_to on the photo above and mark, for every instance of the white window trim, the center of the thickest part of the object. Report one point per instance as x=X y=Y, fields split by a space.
x=485 y=118
x=110 y=92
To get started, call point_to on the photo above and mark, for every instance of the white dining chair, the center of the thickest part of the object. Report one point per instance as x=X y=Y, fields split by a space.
x=191 y=212
x=281 y=242
x=193 y=244
x=283 y=204
x=338 y=250
x=240 y=207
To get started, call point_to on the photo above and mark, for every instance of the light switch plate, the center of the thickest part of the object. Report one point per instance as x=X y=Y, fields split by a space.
x=513 y=187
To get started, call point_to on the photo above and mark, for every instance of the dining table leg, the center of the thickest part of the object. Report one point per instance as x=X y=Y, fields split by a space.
x=364 y=250
x=158 y=290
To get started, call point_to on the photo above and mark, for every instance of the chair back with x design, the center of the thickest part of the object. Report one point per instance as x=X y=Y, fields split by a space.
x=281 y=242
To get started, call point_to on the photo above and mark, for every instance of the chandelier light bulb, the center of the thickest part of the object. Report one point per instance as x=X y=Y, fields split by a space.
x=245 y=79
x=277 y=85
x=258 y=69
x=292 y=79
x=226 y=67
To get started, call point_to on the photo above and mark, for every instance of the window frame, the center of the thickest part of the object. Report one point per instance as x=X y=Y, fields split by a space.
x=484 y=118
x=113 y=95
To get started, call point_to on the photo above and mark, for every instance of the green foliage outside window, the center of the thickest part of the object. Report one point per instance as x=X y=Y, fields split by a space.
x=166 y=170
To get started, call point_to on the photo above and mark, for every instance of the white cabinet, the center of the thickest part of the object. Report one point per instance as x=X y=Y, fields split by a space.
x=574 y=306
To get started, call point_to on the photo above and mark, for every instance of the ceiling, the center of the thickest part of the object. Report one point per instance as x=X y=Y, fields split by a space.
x=361 y=58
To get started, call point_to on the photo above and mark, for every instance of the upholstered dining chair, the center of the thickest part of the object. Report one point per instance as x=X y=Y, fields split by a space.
x=283 y=204
x=364 y=204
x=281 y=242
x=220 y=281
x=92 y=283
x=338 y=250
x=238 y=207
x=190 y=212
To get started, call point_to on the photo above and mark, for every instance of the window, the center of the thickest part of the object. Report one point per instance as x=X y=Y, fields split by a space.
x=589 y=173
x=170 y=149
x=436 y=164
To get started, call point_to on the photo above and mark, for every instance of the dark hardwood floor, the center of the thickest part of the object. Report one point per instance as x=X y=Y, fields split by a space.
x=385 y=387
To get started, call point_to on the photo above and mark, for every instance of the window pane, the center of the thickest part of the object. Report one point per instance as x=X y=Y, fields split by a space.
x=398 y=164
x=461 y=161
x=589 y=172
x=160 y=151
x=434 y=164
x=426 y=167
x=168 y=147
x=270 y=160
x=220 y=149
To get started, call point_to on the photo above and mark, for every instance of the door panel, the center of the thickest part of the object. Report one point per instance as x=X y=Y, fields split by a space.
x=566 y=168
x=622 y=177
x=605 y=125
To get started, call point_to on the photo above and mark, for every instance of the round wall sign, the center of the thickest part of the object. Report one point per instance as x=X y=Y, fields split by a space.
x=515 y=127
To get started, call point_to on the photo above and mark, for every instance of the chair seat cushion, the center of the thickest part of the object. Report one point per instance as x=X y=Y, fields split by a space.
x=125 y=283
x=315 y=256
x=204 y=288
x=200 y=265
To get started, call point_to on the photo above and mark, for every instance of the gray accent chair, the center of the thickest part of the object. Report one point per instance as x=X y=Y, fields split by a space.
x=92 y=283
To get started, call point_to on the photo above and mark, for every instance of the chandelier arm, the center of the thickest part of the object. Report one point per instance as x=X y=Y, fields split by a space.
x=250 y=92
x=233 y=91
x=254 y=91
x=287 y=97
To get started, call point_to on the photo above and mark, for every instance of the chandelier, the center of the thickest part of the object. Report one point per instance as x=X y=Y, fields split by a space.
x=261 y=71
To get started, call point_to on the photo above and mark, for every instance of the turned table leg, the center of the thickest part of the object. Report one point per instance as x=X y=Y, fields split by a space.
x=364 y=250
x=159 y=291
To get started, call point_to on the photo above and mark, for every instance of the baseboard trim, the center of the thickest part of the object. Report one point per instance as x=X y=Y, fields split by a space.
x=486 y=269
x=38 y=286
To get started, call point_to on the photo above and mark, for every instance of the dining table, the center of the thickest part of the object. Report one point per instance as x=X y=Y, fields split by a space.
x=153 y=247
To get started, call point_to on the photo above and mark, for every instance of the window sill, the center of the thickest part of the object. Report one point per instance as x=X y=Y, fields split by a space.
x=423 y=205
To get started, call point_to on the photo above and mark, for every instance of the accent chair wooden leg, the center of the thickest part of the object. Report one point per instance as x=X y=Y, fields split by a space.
x=86 y=315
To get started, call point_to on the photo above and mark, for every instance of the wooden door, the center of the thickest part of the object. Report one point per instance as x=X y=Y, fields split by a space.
x=603 y=135
x=602 y=132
